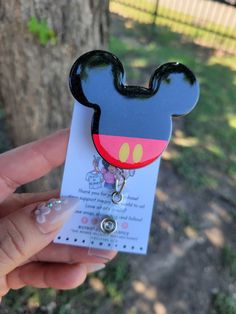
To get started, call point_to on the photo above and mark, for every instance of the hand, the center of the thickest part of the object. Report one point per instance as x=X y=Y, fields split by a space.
x=27 y=254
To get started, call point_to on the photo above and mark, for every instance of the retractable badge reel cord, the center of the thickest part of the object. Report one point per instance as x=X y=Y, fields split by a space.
x=131 y=125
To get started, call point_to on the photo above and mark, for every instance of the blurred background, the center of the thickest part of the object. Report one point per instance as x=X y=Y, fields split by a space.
x=191 y=264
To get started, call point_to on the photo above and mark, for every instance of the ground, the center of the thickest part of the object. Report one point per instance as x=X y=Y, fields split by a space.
x=191 y=264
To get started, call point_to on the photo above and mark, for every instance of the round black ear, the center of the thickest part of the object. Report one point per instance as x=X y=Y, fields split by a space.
x=175 y=88
x=94 y=76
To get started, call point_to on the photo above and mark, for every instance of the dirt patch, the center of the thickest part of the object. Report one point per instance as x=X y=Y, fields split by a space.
x=183 y=267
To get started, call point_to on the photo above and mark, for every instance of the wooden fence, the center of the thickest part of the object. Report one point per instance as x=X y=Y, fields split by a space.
x=208 y=22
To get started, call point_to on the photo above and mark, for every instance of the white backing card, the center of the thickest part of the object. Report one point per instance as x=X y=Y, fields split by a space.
x=89 y=178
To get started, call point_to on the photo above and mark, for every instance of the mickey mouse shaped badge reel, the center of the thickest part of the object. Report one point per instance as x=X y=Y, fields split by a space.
x=131 y=125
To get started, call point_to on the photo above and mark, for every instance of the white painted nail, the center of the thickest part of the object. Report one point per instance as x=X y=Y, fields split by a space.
x=91 y=268
x=52 y=214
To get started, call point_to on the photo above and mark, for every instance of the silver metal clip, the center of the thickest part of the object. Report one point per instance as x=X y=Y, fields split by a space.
x=117 y=196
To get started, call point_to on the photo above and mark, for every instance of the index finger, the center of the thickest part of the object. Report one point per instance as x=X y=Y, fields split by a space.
x=31 y=161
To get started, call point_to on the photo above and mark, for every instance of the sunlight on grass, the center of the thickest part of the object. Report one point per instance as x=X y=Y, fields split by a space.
x=190 y=232
x=212 y=218
x=220 y=211
x=216 y=150
x=180 y=22
x=228 y=60
x=215 y=236
x=125 y=11
x=160 y=308
x=161 y=195
x=232 y=121
x=33 y=302
x=139 y=62
x=148 y=292
x=96 y=284
x=186 y=142
x=165 y=225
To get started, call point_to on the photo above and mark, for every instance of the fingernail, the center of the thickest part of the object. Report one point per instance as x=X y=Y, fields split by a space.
x=105 y=254
x=51 y=215
x=91 y=268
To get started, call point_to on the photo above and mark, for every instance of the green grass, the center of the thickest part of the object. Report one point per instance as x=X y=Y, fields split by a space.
x=203 y=162
x=222 y=304
x=228 y=259
x=106 y=286
x=209 y=159
x=41 y=31
x=208 y=33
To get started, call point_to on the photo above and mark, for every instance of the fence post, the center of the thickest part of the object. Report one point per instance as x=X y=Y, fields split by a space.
x=155 y=14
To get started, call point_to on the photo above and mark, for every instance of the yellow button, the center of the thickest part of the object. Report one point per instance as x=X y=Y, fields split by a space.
x=124 y=152
x=138 y=153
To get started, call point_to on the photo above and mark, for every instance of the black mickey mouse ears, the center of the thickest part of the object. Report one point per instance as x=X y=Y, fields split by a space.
x=132 y=114
x=173 y=79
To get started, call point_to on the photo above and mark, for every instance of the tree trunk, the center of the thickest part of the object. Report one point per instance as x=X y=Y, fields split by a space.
x=34 y=69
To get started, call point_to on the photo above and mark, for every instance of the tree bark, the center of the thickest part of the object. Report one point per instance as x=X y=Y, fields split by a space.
x=33 y=76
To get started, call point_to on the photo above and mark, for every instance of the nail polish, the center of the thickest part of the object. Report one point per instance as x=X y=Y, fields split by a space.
x=91 y=268
x=51 y=215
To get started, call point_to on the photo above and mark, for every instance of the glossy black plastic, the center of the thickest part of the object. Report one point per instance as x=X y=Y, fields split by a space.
x=97 y=80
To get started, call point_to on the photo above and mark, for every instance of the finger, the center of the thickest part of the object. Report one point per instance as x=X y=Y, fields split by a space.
x=28 y=230
x=47 y=275
x=71 y=254
x=18 y=200
x=3 y=286
x=40 y=157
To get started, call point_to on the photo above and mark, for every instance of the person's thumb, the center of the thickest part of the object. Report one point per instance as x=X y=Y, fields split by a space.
x=25 y=232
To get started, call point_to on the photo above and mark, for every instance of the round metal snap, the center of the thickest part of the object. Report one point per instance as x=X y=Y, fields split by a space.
x=108 y=225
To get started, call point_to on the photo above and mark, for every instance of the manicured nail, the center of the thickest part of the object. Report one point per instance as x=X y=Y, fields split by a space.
x=105 y=254
x=51 y=215
x=91 y=268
